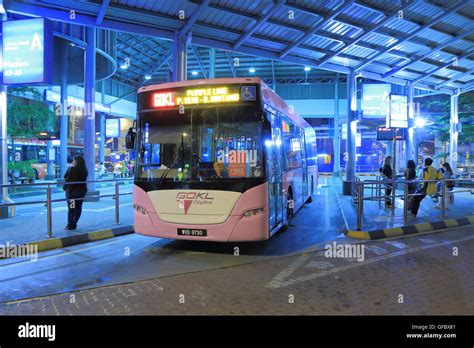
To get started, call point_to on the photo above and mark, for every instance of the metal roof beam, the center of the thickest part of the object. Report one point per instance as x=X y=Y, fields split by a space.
x=365 y=33
x=136 y=49
x=459 y=36
x=431 y=72
x=467 y=88
x=63 y=15
x=199 y=61
x=159 y=63
x=232 y=68
x=194 y=17
x=406 y=38
x=325 y=35
x=455 y=77
x=103 y=9
x=329 y=36
x=270 y=11
x=313 y=30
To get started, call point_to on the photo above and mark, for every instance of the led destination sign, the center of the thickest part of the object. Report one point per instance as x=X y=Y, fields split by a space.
x=194 y=96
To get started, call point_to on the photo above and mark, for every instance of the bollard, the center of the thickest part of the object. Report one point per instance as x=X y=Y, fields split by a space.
x=116 y=203
x=394 y=192
x=405 y=203
x=360 y=200
x=49 y=212
x=379 y=191
x=443 y=196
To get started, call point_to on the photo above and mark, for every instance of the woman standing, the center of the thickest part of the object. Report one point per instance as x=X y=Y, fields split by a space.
x=410 y=174
x=75 y=193
x=387 y=173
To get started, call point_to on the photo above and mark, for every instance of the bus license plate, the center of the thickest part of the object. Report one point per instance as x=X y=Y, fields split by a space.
x=192 y=232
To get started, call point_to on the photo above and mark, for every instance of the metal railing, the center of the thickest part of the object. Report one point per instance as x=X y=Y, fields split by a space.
x=360 y=186
x=49 y=200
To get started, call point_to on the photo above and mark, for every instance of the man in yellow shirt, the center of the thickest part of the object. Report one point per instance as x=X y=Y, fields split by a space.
x=429 y=188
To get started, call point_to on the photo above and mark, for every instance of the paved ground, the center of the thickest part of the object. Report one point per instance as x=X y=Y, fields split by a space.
x=422 y=274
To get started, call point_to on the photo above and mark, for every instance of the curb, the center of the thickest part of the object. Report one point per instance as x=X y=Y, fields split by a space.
x=410 y=229
x=57 y=243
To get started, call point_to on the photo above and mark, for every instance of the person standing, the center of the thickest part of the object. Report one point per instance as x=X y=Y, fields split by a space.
x=387 y=173
x=75 y=192
x=410 y=174
x=429 y=188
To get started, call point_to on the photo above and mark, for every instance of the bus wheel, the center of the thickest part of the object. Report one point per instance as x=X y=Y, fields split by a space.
x=310 y=198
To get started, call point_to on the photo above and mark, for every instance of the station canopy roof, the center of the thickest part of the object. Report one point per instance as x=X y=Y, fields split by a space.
x=429 y=43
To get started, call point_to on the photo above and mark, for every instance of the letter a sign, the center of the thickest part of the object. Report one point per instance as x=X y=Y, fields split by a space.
x=27 y=48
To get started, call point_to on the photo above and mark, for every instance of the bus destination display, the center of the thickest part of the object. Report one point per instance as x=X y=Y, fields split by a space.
x=195 y=96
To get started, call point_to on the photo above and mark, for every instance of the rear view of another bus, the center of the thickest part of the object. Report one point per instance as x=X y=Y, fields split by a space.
x=201 y=171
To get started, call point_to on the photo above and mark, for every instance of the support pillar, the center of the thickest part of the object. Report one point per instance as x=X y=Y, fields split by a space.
x=89 y=102
x=50 y=162
x=4 y=211
x=409 y=143
x=212 y=63
x=351 y=126
x=3 y=140
x=180 y=55
x=351 y=133
x=336 y=138
x=64 y=117
x=453 y=134
x=102 y=138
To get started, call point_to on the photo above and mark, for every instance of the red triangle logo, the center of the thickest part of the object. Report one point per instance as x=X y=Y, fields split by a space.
x=187 y=204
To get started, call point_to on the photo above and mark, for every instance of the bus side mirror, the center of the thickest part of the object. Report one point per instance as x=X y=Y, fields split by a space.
x=130 y=138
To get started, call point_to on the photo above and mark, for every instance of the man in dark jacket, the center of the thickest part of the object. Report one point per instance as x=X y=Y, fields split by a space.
x=75 y=193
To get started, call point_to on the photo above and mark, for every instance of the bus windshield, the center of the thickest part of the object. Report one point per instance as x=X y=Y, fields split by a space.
x=200 y=144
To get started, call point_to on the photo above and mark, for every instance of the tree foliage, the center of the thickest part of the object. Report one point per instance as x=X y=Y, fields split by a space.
x=439 y=108
x=28 y=117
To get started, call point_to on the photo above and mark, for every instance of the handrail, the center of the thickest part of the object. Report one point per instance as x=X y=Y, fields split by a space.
x=56 y=183
x=360 y=186
x=49 y=199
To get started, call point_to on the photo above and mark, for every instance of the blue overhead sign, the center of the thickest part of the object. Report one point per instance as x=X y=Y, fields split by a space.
x=398 y=117
x=27 y=50
x=375 y=100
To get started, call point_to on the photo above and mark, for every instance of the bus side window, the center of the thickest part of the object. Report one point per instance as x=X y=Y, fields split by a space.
x=285 y=139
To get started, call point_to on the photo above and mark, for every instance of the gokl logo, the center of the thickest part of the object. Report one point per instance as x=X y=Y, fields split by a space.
x=186 y=199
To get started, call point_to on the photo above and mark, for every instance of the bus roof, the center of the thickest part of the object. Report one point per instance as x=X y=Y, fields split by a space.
x=268 y=95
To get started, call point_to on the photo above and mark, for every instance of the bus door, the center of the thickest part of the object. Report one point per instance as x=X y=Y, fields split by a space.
x=274 y=154
x=304 y=164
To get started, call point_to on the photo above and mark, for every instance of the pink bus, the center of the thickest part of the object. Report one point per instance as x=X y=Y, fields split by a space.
x=219 y=160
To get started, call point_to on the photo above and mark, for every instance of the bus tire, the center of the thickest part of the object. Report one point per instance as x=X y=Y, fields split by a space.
x=289 y=209
x=310 y=198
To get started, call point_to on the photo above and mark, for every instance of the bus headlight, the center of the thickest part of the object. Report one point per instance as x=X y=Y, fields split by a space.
x=252 y=212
